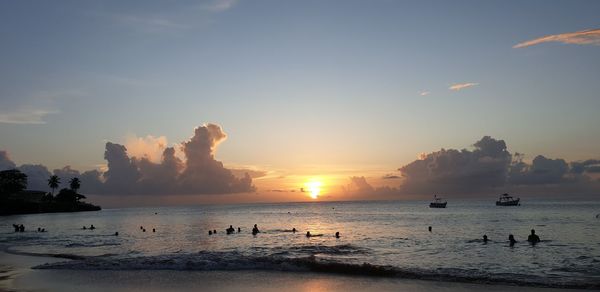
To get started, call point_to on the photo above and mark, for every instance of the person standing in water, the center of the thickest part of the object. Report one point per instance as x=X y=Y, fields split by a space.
x=485 y=239
x=533 y=238
x=255 y=230
x=511 y=240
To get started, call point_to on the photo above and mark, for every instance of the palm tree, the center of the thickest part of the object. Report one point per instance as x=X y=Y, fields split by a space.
x=75 y=184
x=53 y=183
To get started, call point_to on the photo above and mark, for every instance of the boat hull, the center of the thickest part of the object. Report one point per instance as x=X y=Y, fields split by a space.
x=508 y=203
x=438 y=205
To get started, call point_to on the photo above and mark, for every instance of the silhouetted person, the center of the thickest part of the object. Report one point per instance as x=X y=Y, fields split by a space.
x=533 y=238
x=39 y=229
x=230 y=230
x=294 y=230
x=239 y=229
x=210 y=232
x=141 y=227
x=485 y=239
x=16 y=227
x=117 y=233
x=153 y=230
x=307 y=233
x=512 y=240
x=255 y=230
x=21 y=228
x=337 y=235
x=144 y=230
x=214 y=231
x=429 y=228
x=92 y=227
x=43 y=230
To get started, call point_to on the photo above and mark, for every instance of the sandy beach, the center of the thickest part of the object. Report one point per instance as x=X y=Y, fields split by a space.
x=16 y=275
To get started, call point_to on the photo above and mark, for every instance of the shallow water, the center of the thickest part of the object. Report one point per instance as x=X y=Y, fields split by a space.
x=392 y=237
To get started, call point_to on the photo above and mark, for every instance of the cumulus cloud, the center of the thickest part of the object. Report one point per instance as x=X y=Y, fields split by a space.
x=583 y=37
x=37 y=176
x=5 y=162
x=461 y=86
x=148 y=147
x=199 y=173
x=489 y=168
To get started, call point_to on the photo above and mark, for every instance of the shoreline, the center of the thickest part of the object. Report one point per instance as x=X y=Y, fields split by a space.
x=16 y=274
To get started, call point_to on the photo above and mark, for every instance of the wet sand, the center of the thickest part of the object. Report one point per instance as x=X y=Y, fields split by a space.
x=16 y=275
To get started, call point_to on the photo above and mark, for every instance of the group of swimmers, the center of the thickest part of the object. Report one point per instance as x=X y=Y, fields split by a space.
x=19 y=228
x=255 y=231
x=533 y=239
x=90 y=228
x=144 y=229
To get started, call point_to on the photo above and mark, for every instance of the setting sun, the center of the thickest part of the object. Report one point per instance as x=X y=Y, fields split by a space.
x=313 y=188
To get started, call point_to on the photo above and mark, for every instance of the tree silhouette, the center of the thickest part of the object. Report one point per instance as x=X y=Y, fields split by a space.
x=53 y=183
x=75 y=184
x=12 y=181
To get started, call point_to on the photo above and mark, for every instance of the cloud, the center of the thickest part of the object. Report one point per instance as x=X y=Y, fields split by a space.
x=424 y=93
x=583 y=37
x=457 y=171
x=148 y=147
x=149 y=23
x=144 y=174
x=461 y=86
x=25 y=116
x=391 y=176
x=37 y=176
x=220 y=5
x=542 y=171
x=5 y=162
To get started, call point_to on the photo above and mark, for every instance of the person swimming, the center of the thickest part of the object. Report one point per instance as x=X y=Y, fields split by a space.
x=255 y=230
x=84 y=228
x=308 y=234
x=117 y=233
x=153 y=230
x=230 y=230
x=485 y=239
x=429 y=228
x=294 y=230
x=239 y=229
x=511 y=240
x=210 y=232
x=92 y=227
x=337 y=234
x=533 y=238
x=214 y=231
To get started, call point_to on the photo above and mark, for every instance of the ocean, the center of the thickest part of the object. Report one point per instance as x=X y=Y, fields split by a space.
x=378 y=238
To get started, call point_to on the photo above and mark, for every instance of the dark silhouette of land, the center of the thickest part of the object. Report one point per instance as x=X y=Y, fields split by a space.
x=14 y=199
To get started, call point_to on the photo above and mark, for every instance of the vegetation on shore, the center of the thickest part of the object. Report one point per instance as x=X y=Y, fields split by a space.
x=15 y=199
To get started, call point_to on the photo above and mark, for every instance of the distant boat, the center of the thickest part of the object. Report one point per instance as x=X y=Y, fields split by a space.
x=507 y=200
x=437 y=203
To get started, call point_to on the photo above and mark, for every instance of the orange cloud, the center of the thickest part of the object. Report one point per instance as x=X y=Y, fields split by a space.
x=461 y=86
x=149 y=147
x=583 y=37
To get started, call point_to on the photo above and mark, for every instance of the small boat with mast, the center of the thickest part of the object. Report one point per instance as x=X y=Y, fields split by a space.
x=437 y=203
x=507 y=200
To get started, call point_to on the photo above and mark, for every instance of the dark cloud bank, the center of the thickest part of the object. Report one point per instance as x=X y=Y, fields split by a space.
x=489 y=168
x=200 y=173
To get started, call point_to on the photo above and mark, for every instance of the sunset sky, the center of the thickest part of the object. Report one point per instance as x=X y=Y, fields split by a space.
x=346 y=95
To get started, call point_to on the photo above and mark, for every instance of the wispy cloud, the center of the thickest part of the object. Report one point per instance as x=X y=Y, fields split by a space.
x=424 y=93
x=220 y=5
x=25 y=116
x=150 y=23
x=461 y=86
x=583 y=37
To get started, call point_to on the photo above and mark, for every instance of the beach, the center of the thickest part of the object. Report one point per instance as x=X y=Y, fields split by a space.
x=22 y=278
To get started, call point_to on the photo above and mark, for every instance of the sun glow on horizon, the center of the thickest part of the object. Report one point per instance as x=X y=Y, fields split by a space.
x=313 y=187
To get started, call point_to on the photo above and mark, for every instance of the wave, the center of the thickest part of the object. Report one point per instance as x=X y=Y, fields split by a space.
x=237 y=261
x=77 y=244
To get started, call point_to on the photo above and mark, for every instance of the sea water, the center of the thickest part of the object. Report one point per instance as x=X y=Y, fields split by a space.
x=380 y=238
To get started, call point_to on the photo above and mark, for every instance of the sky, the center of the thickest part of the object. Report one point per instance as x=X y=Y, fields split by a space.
x=345 y=94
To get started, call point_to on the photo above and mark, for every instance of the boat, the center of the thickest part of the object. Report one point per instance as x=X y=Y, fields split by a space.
x=507 y=200
x=437 y=203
